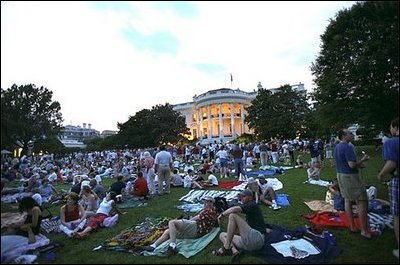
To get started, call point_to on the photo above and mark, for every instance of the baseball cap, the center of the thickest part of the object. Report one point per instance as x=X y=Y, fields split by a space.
x=209 y=198
x=247 y=192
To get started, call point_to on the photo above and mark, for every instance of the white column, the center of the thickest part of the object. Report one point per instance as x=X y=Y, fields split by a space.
x=232 y=120
x=242 y=116
x=209 y=131
x=200 y=123
x=221 y=125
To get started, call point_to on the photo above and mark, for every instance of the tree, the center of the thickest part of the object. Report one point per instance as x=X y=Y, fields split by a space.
x=160 y=125
x=357 y=70
x=282 y=114
x=27 y=114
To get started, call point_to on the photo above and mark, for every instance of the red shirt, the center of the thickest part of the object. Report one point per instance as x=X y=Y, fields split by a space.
x=140 y=188
x=206 y=222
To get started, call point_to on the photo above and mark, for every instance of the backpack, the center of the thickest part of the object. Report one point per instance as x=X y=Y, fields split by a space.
x=220 y=204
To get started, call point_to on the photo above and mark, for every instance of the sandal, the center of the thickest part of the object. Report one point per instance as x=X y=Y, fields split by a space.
x=222 y=251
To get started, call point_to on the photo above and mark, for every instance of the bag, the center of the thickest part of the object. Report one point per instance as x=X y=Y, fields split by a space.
x=220 y=204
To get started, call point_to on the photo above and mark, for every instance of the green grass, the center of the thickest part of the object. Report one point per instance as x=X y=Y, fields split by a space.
x=355 y=249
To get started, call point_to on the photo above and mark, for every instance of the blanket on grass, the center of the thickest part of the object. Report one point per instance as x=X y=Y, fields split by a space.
x=228 y=185
x=198 y=195
x=376 y=221
x=13 y=246
x=320 y=206
x=142 y=234
x=130 y=202
x=186 y=247
x=297 y=246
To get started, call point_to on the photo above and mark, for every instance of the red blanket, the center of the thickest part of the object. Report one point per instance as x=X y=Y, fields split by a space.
x=228 y=185
x=337 y=219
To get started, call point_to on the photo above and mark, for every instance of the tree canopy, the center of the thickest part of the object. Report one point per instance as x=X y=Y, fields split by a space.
x=160 y=125
x=28 y=113
x=357 y=70
x=281 y=114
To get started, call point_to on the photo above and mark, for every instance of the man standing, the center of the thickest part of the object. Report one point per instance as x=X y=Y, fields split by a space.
x=163 y=166
x=241 y=234
x=351 y=186
x=390 y=154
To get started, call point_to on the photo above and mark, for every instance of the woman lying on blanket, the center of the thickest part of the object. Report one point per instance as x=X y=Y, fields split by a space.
x=106 y=208
x=31 y=226
x=72 y=215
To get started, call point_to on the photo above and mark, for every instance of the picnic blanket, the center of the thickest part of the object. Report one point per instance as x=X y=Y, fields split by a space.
x=195 y=196
x=276 y=184
x=282 y=199
x=186 y=247
x=260 y=173
x=319 y=182
x=12 y=219
x=130 y=202
x=315 y=250
x=339 y=219
x=228 y=185
x=190 y=207
x=142 y=234
x=320 y=206
x=13 y=246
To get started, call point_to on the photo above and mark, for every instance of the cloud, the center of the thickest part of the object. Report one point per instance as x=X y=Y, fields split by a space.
x=105 y=61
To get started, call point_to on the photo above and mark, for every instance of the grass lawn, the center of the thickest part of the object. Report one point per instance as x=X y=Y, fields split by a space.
x=355 y=249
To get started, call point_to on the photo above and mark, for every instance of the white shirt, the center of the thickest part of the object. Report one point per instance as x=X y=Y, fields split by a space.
x=213 y=180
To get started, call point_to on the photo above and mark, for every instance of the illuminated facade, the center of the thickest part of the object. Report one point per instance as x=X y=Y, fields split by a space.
x=218 y=115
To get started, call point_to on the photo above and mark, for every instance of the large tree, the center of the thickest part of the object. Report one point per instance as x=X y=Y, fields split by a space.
x=160 y=125
x=28 y=113
x=357 y=70
x=282 y=113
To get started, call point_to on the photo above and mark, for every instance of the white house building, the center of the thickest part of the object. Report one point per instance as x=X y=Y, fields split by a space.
x=218 y=115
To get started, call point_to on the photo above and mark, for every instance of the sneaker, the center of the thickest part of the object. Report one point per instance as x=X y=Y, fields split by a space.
x=171 y=251
x=276 y=207
x=396 y=253
x=148 y=248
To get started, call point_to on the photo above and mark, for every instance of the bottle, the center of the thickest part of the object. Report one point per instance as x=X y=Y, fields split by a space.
x=329 y=237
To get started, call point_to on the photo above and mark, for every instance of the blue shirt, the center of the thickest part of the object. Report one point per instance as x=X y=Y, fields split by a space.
x=390 y=151
x=344 y=152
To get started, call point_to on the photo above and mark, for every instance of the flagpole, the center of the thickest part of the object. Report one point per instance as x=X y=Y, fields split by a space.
x=231 y=82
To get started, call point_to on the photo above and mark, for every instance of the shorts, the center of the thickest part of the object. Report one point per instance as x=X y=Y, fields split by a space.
x=188 y=231
x=351 y=187
x=253 y=240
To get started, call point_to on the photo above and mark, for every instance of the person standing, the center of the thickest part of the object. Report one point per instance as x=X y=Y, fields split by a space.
x=163 y=165
x=390 y=154
x=237 y=154
x=351 y=186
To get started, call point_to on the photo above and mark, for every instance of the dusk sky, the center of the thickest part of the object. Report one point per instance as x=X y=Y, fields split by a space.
x=105 y=61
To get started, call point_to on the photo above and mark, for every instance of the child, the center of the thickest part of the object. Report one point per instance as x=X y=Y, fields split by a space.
x=338 y=201
x=176 y=179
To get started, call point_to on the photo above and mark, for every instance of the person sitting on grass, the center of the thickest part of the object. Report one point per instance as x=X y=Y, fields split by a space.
x=242 y=234
x=106 y=208
x=72 y=215
x=212 y=180
x=31 y=225
x=140 y=188
x=190 y=182
x=268 y=195
x=176 y=179
x=197 y=226
x=314 y=171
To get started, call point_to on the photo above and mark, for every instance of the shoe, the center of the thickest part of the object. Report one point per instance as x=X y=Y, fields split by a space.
x=276 y=207
x=148 y=248
x=236 y=256
x=171 y=251
x=396 y=253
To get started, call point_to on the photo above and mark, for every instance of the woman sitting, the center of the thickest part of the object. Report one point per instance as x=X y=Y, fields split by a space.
x=72 y=215
x=106 y=208
x=31 y=225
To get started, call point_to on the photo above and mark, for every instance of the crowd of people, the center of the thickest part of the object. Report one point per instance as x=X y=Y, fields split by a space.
x=142 y=174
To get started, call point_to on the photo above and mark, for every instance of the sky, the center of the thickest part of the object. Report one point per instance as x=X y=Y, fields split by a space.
x=105 y=61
